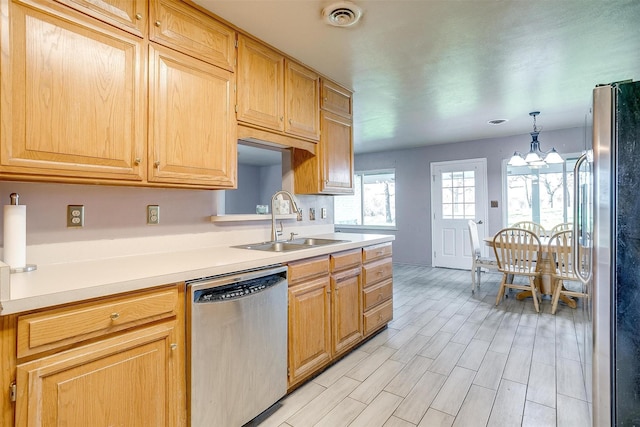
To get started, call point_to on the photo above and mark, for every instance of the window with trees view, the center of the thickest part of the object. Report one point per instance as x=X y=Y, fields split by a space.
x=542 y=195
x=373 y=203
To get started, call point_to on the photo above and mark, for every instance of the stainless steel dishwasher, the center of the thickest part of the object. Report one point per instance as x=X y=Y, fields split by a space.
x=237 y=356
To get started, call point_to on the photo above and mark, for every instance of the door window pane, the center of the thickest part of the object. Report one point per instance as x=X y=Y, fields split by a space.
x=458 y=195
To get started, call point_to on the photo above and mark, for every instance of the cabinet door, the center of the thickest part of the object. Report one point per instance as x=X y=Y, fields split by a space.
x=336 y=154
x=73 y=99
x=330 y=171
x=260 y=85
x=193 y=131
x=129 y=15
x=336 y=99
x=302 y=114
x=129 y=380
x=346 y=308
x=181 y=27
x=309 y=328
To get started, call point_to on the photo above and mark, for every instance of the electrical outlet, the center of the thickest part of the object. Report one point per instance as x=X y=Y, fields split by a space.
x=323 y=213
x=299 y=218
x=75 y=216
x=153 y=214
x=312 y=214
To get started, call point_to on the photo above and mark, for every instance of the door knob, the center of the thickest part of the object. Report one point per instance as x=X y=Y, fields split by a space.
x=479 y=222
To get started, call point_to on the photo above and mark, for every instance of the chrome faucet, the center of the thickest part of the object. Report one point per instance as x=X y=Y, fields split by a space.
x=294 y=208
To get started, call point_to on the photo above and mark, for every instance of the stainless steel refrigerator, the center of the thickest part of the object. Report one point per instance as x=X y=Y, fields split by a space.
x=607 y=227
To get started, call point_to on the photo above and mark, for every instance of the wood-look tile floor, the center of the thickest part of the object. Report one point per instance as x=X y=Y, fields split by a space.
x=450 y=358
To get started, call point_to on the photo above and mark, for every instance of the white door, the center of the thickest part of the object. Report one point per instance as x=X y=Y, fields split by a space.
x=458 y=194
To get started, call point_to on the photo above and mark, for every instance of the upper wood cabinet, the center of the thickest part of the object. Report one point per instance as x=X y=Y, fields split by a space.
x=330 y=171
x=276 y=93
x=193 y=129
x=301 y=113
x=176 y=25
x=336 y=99
x=73 y=101
x=260 y=94
x=129 y=15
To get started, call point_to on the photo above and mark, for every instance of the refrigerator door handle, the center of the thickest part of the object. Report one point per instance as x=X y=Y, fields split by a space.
x=576 y=241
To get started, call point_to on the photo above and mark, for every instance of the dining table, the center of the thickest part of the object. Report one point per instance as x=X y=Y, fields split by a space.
x=544 y=265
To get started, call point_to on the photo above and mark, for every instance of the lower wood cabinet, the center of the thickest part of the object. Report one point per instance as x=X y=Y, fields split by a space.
x=309 y=317
x=331 y=310
x=377 y=284
x=114 y=361
x=128 y=380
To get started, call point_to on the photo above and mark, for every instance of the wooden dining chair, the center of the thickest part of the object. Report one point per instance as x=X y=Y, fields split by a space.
x=564 y=226
x=560 y=250
x=478 y=262
x=516 y=251
x=534 y=227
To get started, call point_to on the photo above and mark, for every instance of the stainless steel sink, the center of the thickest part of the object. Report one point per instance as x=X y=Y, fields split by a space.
x=311 y=241
x=290 y=245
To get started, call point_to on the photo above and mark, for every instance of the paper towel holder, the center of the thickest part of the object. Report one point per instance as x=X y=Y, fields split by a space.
x=28 y=267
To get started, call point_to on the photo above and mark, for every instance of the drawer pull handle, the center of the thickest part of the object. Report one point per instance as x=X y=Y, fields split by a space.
x=380 y=272
x=380 y=317
x=173 y=346
x=114 y=316
x=380 y=252
x=379 y=296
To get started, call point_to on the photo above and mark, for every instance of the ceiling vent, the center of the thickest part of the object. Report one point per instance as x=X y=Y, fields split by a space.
x=342 y=14
x=497 y=122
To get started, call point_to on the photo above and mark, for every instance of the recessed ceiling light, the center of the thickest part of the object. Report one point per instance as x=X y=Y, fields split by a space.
x=497 y=122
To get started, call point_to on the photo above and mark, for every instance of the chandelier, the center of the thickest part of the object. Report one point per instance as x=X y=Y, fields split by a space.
x=535 y=158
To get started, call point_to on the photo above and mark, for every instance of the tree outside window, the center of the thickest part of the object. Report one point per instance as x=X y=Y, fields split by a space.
x=373 y=201
x=541 y=195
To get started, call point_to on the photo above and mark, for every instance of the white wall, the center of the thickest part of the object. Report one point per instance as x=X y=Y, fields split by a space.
x=413 y=190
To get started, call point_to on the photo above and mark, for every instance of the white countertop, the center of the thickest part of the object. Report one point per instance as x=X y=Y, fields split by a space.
x=60 y=283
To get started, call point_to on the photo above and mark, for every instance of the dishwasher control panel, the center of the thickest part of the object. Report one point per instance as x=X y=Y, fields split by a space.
x=238 y=289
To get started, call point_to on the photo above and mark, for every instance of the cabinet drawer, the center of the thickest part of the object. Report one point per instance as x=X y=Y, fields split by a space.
x=347 y=259
x=308 y=268
x=181 y=27
x=371 y=253
x=58 y=327
x=376 y=294
x=377 y=271
x=378 y=317
x=335 y=99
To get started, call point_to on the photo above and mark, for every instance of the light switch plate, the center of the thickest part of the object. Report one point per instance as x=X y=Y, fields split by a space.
x=312 y=214
x=323 y=213
x=75 y=216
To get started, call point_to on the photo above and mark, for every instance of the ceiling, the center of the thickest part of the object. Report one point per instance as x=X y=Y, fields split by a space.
x=435 y=71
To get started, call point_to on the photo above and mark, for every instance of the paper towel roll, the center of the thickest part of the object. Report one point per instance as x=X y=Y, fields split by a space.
x=15 y=235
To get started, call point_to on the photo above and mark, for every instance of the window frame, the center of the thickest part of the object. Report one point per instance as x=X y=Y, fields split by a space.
x=363 y=226
x=505 y=175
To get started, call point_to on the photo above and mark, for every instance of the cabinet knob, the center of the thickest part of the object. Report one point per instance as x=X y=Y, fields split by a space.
x=156 y=164
x=379 y=296
x=157 y=23
x=138 y=16
x=281 y=118
x=326 y=181
x=114 y=316
x=173 y=346
x=290 y=121
x=137 y=161
x=326 y=99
